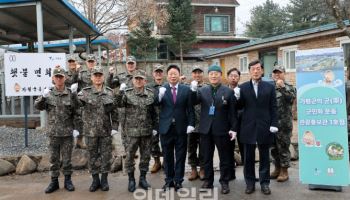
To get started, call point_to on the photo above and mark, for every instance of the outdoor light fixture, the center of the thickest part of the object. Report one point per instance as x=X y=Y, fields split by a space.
x=216 y=10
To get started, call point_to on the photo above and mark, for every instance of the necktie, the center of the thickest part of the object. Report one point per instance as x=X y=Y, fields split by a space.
x=174 y=94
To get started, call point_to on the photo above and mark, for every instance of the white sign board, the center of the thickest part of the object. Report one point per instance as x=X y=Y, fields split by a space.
x=27 y=74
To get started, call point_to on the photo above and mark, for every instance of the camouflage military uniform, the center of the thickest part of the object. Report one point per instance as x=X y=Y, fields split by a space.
x=61 y=109
x=193 y=140
x=114 y=82
x=99 y=117
x=280 y=150
x=84 y=78
x=155 y=148
x=71 y=78
x=138 y=125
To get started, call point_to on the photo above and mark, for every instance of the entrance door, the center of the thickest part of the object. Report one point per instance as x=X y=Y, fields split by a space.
x=269 y=59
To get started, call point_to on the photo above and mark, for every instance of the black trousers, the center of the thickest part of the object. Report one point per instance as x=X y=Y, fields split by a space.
x=224 y=146
x=264 y=164
x=174 y=146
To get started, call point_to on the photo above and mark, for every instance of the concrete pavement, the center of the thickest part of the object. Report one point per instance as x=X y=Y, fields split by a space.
x=31 y=187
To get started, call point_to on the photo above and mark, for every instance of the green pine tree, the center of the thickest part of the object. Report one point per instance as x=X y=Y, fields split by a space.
x=266 y=20
x=141 y=42
x=181 y=26
x=303 y=14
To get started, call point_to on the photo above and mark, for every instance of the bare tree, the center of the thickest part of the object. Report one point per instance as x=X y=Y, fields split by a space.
x=106 y=15
x=341 y=11
x=110 y=15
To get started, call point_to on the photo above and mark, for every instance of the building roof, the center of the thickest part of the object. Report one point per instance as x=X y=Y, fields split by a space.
x=18 y=21
x=218 y=3
x=63 y=46
x=270 y=40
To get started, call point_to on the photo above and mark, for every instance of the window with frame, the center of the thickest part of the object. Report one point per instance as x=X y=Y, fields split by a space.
x=162 y=51
x=243 y=64
x=217 y=23
x=289 y=59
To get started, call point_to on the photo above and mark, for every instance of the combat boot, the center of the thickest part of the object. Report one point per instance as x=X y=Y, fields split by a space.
x=95 y=183
x=53 y=186
x=132 y=183
x=156 y=166
x=143 y=182
x=80 y=143
x=194 y=174
x=104 y=182
x=68 y=183
x=276 y=172
x=283 y=176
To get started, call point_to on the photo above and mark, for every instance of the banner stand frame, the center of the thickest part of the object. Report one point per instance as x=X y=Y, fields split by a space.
x=325 y=187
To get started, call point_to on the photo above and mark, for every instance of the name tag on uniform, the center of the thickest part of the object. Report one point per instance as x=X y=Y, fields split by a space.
x=212 y=110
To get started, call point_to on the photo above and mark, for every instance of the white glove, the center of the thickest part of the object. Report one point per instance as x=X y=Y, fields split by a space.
x=232 y=135
x=237 y=92
x=111 y=70
x=74 y=88
x=154 y=132
x=114 y=132
x=190 y=129
x=75 y=133
x=273 y=129
x=46 y=93
x=161 y=93
x=194 y=85
x=122 y=87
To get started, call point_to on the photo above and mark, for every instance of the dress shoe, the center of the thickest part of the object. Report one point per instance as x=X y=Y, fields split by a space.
x=249 y=189
x=207 y=185
x=168 y=185
x=225 y=189
x=177 y=186
x=265 y=189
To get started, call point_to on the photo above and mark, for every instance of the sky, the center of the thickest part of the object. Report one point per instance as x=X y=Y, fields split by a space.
x=243 y=12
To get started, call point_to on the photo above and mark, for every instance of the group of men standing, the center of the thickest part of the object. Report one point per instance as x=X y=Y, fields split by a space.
x=191 y=118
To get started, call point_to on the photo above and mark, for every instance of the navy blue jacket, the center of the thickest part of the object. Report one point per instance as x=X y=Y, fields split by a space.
x=182 y=111
x=259 y=113
x=225 y=115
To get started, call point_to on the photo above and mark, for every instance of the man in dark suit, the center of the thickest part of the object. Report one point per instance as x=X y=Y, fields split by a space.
x=259 y=123
x=218 y=124
x=176 y=118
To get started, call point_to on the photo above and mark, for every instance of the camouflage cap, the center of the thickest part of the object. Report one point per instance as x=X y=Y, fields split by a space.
x=90 y=57
x=158 y=67
x=196 y=67
x=97 y=70
x=130 y=59
x=58 y=71
x=71 y=57
x=279 y=68
x=140 y=74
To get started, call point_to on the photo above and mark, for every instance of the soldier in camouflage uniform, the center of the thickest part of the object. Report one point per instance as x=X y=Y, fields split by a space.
x=285 y=94
x=122 y=80
x=158 y=81
x=139 y=104
x=84 y=77
x=61 y=108
x=72 y=78
x=100 y=121
x=195 y=160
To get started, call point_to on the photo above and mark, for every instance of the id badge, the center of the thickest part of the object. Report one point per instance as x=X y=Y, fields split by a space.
x=212 y=110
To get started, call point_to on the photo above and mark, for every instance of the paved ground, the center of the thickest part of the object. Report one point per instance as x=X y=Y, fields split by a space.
x=31 y=187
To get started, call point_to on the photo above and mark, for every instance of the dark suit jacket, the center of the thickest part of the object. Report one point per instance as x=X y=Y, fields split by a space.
x=225 y=116
x=182 y=111
x=259 y=113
